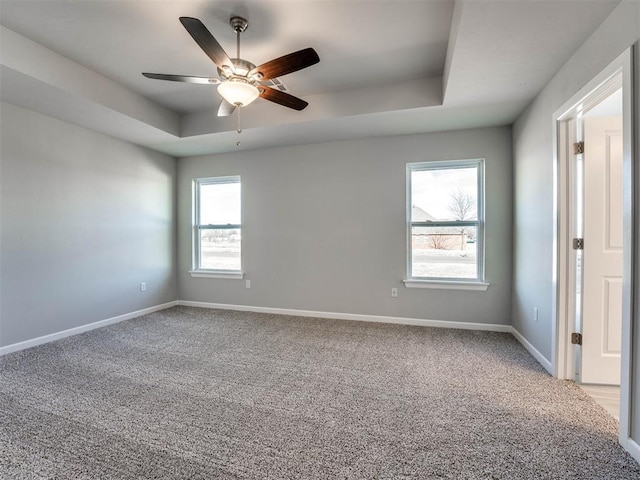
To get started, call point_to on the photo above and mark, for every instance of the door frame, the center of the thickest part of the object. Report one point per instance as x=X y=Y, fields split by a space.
x=563 y=299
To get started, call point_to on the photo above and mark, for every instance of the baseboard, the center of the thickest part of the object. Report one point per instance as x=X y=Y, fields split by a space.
x=532 y=350
x=492 y=327
x=82 y=328
x=291 y=312
x=633 y=448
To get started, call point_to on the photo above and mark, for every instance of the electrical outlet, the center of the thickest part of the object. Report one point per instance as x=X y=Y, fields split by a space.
x=394 y=292
x=143 y=286
x=535 y=314
x=247 y=283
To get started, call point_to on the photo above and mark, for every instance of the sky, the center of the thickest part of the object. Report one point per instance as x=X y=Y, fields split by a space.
x=220 y=204
x=431 y=190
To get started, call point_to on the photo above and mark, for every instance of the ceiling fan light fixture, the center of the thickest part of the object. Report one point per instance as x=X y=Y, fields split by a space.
x=238 y=92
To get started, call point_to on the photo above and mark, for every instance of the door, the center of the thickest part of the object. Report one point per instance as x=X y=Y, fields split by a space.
x=602 y=255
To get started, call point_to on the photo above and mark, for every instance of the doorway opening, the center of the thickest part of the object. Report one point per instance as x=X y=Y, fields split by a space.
x=596 y=220
x=593 y=180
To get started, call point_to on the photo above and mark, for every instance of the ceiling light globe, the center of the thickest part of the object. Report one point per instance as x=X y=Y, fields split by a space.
x=238 y=92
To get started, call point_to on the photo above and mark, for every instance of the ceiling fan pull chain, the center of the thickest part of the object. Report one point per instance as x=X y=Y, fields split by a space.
x=238 y=129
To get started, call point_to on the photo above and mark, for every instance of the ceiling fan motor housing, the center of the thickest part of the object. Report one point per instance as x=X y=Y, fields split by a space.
x=242 y=68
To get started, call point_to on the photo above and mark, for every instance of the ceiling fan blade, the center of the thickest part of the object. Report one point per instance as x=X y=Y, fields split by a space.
x=282 y=98
x=286 y=64
x=182 y=78
x=225 y=109
x=207 y=42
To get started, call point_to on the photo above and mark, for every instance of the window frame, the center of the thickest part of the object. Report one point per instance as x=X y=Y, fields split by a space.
x=477 y=283
x=197 y=270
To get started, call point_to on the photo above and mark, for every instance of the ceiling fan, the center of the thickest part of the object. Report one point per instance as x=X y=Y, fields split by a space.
x=240 y=82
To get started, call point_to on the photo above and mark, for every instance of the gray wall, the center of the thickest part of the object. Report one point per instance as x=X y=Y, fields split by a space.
x=324 y=227
x=84 y=219
x=533 y=179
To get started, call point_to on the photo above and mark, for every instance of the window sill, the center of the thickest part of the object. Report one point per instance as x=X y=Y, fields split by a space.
x=447 y=285
x=216 y=274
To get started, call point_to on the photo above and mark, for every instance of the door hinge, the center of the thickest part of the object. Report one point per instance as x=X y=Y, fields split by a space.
x=578 y=148
x=576 y=338
x=578 y=243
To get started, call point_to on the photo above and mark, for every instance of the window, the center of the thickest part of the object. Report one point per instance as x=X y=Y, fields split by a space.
x=445 y=222
x=217 y=227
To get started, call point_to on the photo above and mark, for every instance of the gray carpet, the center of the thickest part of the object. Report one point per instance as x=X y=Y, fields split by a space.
x=204 y=394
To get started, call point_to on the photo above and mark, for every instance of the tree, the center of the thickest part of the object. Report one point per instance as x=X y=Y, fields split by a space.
x=438 y=242
x=463 y=207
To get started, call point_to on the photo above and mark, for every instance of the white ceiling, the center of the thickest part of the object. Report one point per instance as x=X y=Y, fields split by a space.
x=387 y=67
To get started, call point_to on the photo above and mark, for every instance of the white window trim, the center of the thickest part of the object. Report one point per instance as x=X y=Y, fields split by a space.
x=217 y=274
x=479 y=283
x=203 y=272
x=446 y=285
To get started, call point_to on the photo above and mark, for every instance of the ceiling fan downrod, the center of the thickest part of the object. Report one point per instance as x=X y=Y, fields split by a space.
x=239 y=25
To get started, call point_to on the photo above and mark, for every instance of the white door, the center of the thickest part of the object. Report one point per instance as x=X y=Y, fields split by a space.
x=602 y=270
